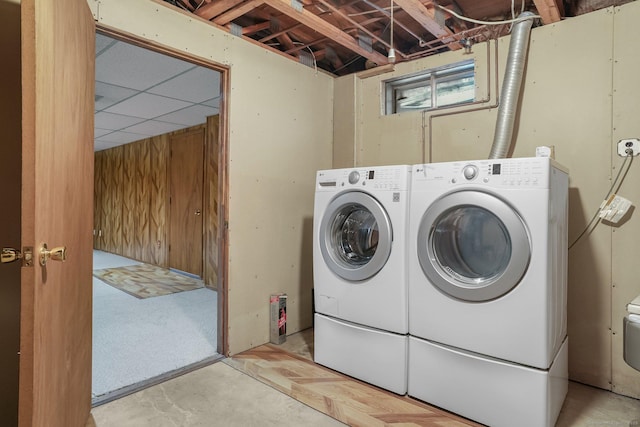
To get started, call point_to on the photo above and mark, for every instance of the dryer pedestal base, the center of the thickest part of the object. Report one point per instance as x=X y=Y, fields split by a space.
x=490 y=391
x=371 y=355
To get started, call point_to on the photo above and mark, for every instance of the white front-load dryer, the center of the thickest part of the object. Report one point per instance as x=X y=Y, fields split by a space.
x=360 y=273
x=488 y=286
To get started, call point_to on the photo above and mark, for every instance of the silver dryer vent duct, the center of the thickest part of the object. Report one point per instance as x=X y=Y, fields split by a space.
x=511 y=84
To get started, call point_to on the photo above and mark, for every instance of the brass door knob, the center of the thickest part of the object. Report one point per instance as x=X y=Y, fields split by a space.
x=56 y=254
x=10 y=255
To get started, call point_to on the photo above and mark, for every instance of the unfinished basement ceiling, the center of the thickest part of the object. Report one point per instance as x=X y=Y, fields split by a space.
x=347 y=36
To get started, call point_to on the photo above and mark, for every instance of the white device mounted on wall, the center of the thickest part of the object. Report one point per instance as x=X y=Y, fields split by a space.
x=629 y=146
x=546 y=151
x=614 y=208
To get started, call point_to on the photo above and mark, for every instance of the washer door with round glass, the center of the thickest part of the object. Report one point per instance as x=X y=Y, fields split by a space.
x=355 y=236
x=473 y=246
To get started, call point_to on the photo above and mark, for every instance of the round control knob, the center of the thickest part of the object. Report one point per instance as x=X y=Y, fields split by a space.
x=470 y=172
x=354 y=177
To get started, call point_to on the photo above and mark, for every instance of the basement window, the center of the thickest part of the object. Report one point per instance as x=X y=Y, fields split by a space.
x=431 y=89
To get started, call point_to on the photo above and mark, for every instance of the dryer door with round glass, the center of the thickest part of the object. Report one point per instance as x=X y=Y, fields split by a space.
x=355 y=236
x=473 y=246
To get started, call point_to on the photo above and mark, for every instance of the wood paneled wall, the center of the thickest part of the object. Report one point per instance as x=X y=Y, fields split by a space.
x=212 y=217
x=131 y=201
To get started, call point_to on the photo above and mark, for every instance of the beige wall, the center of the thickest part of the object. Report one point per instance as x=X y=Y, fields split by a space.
x=580 y=95
x=625 y=271
x=280 y=133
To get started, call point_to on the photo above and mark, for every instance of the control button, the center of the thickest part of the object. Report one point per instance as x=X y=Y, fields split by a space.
x=453 y=180
x=470 y=172
x=354 y=177
x=486 y=180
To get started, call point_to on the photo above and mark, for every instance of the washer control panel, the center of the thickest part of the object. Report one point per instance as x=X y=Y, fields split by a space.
x=376 y=178
x=470 y=172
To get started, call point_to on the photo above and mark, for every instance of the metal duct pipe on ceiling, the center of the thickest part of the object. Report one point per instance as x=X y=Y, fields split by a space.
x=511 y=85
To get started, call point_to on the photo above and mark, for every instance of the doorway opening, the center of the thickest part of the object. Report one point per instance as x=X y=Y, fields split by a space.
x=159 y=304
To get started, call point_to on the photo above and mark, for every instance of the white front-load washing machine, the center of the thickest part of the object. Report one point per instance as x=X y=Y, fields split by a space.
x=360 y=273
x=488 y=289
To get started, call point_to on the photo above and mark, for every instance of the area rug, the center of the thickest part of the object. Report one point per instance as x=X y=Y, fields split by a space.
x=145 y=281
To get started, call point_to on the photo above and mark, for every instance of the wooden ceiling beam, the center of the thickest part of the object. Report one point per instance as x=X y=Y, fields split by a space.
x=427 y=19
x=237 y=12
x=211 y=10
x=319 y=54
x=370 y=21
x=252 y=29
x=352 y=22
x=274 y=35
x=323 y=27
x=305 y=45
x=186 y=5
x=286 y=42
x=549 y=10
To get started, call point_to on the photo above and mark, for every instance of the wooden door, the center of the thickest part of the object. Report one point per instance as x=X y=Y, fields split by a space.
x=58 y=62
x=10 y=118
x=185 y=217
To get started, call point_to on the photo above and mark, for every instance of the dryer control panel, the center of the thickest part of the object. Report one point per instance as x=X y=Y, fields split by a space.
x=530 y=172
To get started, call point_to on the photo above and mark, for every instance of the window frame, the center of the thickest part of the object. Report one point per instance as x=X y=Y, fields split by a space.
x=427 y=78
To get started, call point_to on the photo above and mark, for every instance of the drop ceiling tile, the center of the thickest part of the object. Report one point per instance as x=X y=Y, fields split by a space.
x=196 y=85
x=147 y=105
x=97 y=133
x=134 y=67
x=104 y=120
x=154 y=127
x=99 y=146
x=107 y=95
x=121 y=137
x=215 y=102
x=102 y=42
x=191 y=116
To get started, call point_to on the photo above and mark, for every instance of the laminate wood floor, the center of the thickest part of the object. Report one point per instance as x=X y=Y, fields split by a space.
x=289 y=368
x=350 y=401
x=280 y=386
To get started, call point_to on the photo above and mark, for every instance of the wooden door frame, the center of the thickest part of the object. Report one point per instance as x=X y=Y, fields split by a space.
x=223 y=169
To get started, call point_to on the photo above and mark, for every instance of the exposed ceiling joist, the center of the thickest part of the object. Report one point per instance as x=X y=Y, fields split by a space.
x=286 y=42
x=353 y=22
x=349 y=30
x=213 y=9
x=237 y=12
x=256 y=28
x=323 y=27
x=277 y=34
x=427 y=19
x=549 y=10
x=305 y=46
